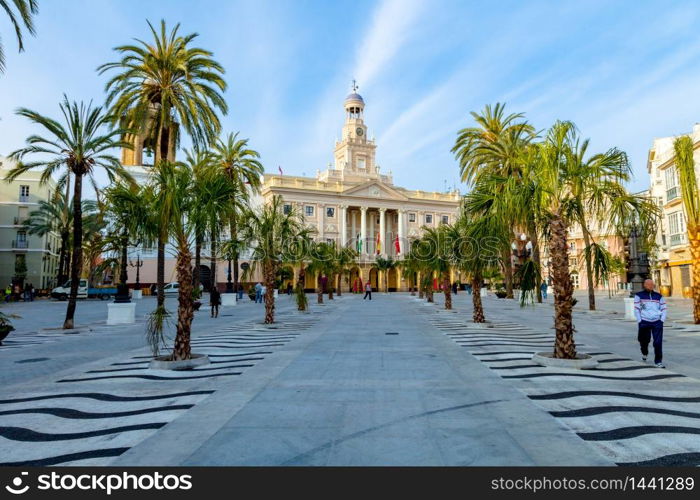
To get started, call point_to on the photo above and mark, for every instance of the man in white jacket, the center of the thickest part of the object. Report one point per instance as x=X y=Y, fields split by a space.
x=650 y=310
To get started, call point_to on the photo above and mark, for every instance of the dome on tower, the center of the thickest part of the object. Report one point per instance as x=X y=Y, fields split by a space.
x=354 y=97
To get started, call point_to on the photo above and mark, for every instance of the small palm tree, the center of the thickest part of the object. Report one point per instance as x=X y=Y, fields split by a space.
x=79 y=145
x=271 y=234
x=384 y=265
x=26 y=9
x=344 y=258
x=685 y=164
x=441 y=241
x=321 y=256
x=241 y=166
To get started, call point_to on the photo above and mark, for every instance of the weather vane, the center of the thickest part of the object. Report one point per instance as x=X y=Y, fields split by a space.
x=354 y=85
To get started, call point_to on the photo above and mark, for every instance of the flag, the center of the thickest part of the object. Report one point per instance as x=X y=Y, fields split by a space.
x=397 y=245
x=280 y=169
x=379 y=245
x=359 y=243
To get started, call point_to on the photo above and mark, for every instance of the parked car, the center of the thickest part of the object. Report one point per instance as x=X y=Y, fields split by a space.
x=171 y=288
x=84 y=292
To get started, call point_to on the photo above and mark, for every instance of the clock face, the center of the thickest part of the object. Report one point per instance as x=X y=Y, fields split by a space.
x=359 y=131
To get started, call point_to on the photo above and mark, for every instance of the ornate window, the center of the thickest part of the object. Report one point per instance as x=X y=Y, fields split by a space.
x=330 y=212
x=309 y=210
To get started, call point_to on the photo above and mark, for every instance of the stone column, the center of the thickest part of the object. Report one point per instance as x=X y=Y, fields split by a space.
x=363 y=230
x=402 y=221
x=382 y=231
x=343 y=226
x=321 y=208
x=372 y=239
x=353 y=234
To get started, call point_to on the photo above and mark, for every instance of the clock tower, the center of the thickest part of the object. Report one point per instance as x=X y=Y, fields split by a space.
x=355 y=151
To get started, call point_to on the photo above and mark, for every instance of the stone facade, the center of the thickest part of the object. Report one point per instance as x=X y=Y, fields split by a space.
x=672 y=260
x=352 y=203
x=17 y=200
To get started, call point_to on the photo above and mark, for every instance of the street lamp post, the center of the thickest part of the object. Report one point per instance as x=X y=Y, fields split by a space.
x=138 y=265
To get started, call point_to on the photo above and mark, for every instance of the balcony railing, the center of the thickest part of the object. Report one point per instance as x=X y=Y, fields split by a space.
x=24 y=199
x=20 y=244
x=678 y=239
x=672 y=194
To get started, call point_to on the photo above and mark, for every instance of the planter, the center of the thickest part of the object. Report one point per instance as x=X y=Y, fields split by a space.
x=687 y=292
x=5 y=331
x=501 y=295
x=665 y=290
x=163 y=363
x=582 y=361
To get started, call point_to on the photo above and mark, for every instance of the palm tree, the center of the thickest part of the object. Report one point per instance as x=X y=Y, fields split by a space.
x=442 y=242
x=26 y=9
x=162 y=85
x=344 y=258
x=129 y=222
x=321 y=264
x=477 y=250
x=271 y=233
x=384 y=265
x=80 y=145
x=494 y=146
x=409 y=268
x=241 y=167
x=685 y=164
x=600 y=197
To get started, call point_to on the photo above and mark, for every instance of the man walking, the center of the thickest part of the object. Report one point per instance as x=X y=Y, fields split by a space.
x=258 y=292
x=650 y=310
x=368 y=291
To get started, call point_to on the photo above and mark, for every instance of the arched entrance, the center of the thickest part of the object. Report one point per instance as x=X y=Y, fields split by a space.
x=286 y=277
x=373 y=273
x=355 y=281
x=205 y=277
x=310 y=281
x=393 y=282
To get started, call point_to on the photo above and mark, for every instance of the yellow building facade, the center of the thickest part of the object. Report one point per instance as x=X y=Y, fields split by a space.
x=354 y=204
x=672 y=261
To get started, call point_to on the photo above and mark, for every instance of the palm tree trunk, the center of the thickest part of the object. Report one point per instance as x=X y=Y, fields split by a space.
x=300 y=284
x=478 y=312
x=77 y=251
x=160 y=275
x=232 y=230
x=63 y=259
x=532 y=230
x=694 y=240
x=319 y=290
x=213 y=262
x=197 y=261
x=269 y=278
x=185 y=309
x=589 y=269
x=331 y=281
x=448 y=292
x=508 y=272
x=421 y=287
x=564 y=346
x=340 y=284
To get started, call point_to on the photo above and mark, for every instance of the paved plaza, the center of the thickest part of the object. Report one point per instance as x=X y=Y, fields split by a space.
x=393 y=381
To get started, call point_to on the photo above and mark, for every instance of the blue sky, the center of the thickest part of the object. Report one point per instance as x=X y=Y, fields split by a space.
x=625 y=71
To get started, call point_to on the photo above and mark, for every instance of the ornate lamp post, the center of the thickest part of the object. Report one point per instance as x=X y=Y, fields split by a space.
x=138 y=265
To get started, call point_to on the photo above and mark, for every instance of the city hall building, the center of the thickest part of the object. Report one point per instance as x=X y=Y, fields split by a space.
x=353 y=203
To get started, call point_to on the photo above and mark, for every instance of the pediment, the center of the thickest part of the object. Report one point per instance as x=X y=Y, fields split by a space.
x=373 y=189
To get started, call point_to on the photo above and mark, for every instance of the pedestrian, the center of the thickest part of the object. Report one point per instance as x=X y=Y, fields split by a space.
x=215 y=301
x=650 y=310
x=469 y=288
x=289 y=288
x=258 y=292
x=240 y=291
x=153 y=289
x=368 y=291
x=454 y=288
x=8 y=293
x=543 y=289
x=263 y=291
x=32 y=292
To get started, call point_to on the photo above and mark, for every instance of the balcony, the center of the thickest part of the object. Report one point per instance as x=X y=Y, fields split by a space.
x=24 y=199
x=672 y=194
x=678 y=239
x=20 y=244
x=19 y=221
